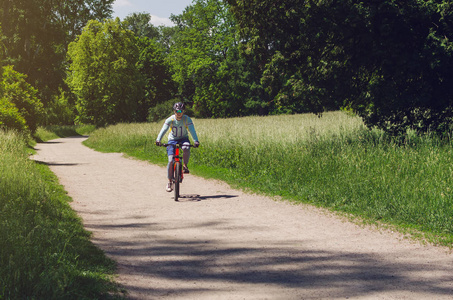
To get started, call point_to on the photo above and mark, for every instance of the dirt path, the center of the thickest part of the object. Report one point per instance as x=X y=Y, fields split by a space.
x=226 y=244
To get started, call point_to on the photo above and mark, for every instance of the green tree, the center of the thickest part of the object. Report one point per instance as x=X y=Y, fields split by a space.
x=206 y=62
x=104 y=74
x=36 y=35
x=158 y=83
x=386 y=60
x=166 y=37
x=139 y=23
x=10 y=118
x=20 y=107
x=410 y=83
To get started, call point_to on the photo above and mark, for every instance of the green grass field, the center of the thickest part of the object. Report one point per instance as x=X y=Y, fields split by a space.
x=44 y=251
x=332 y=162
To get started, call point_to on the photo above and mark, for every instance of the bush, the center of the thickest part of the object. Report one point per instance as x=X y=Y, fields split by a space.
x=21 y=95
x=10 y=116
x=60 y=111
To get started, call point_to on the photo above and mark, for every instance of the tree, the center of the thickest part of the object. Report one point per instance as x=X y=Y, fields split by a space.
x=139 y=23
x=386 y=60
x=206 y=62
x=159 y=86
x=158 y=83
x=10 y=118
x=20 y=107
x=166 y=37
x=104 y=74
x=411 y=83
x=36 y=35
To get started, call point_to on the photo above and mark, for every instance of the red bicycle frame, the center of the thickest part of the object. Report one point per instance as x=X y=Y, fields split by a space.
x=177 y=158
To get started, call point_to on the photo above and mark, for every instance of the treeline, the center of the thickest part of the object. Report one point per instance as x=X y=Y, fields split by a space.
x=34 y=36
x=388 y=61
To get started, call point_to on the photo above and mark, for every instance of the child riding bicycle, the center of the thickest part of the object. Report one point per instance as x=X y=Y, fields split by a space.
x=180 y=126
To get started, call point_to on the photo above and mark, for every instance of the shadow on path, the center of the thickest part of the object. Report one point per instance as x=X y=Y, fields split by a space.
x=195 y=197
x=289 y=265
x=56 y=163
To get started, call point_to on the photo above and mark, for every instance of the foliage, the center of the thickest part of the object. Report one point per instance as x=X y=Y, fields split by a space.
x=159 y=85
x=104 y=74
x=117 y=74
x=332 y=161
x=10 y=118
x=164 y=110
x=166 y=37
x=36 y=35
x=2 y=47
x=44 y=251
x=389 y=61
x=19 y=101
x=411 y=86
x=61 y=109
x=9 y=114
x=140 y=25
x=161 y=111
x=206 y=63
x=293 y=51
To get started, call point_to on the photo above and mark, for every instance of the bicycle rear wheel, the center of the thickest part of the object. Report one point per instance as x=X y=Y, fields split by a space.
x=177 y=179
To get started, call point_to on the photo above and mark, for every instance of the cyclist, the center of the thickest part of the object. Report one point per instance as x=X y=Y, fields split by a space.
x=180 y=125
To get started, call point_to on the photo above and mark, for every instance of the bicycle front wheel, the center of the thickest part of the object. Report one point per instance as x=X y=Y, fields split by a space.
x=177 y=179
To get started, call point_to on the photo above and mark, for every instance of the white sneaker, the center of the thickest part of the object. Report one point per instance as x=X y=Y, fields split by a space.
x=169 y=188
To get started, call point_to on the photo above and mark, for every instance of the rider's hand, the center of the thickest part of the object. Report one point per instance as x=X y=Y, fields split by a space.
x=158 y=143
x=196 y=144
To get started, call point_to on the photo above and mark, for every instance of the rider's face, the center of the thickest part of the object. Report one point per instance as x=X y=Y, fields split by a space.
x=178 y=114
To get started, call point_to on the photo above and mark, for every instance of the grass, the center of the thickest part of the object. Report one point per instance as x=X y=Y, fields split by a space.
x=44 y=251
x=53 y=132
x=332 y=162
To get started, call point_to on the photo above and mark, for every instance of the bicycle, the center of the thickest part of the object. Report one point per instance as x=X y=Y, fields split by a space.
x=178 y=174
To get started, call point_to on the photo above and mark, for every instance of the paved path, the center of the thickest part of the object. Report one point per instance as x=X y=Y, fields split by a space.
x=226 y=244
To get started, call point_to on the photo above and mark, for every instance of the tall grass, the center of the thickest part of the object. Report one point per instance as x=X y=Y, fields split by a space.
x=44 y=251
x=333 y=162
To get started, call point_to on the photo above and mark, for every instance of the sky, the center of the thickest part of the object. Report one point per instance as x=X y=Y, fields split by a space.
x=160 y=10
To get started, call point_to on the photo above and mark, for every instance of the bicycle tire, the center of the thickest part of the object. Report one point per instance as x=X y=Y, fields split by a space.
x=177 y=179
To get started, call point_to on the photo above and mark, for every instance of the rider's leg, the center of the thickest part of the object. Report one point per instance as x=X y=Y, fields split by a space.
x=186 y=156
x=169 y=187
x=170 y=154
x=170 y=168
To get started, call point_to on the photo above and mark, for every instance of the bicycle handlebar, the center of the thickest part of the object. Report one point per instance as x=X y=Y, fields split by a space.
x=178 y=145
